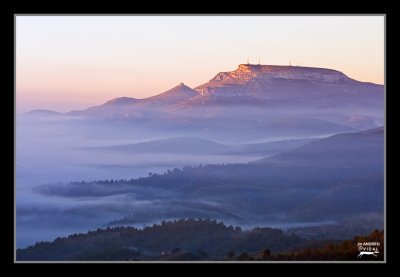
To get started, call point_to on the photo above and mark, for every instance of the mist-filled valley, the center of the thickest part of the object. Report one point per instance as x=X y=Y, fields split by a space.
x=295 y=148
x=71 y=181
x=51 y=151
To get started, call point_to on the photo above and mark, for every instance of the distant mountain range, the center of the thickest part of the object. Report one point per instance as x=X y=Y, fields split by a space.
x=258 y=85
x=249 y=103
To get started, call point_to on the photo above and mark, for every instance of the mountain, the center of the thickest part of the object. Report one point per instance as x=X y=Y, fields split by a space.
x=274 y=85
x=252 y=102
x=283 y=85
x=124 y=107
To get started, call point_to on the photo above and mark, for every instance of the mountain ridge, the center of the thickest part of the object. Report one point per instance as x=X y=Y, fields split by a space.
x=244 y=74
x=255 y=96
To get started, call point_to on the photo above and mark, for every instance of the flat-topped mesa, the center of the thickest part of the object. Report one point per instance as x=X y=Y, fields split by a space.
x=234 y=83
x=246 y=72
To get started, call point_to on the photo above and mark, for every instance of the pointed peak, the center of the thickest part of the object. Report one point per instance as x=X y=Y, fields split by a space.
x=181 y=85
x=177 y=93
x=180 y=88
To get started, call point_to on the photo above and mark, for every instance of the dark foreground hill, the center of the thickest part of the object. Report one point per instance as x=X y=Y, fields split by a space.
x=208 y=237
x=189 y=240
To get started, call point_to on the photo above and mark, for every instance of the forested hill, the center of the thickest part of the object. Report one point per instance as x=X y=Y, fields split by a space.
x=191 y=240
x=204 y=239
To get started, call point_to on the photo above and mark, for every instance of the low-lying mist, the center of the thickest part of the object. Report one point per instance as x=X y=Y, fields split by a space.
x=57 y=151
x=74 y=175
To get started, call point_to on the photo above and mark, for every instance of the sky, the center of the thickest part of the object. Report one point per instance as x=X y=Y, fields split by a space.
x=73 y=62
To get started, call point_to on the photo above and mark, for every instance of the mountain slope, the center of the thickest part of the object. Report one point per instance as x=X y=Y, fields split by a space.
x=121 y=101
x=364 y=148
x=117 y=107
x=172 y=96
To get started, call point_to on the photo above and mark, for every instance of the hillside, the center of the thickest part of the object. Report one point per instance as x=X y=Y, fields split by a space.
x=307 y=184
x=363 y=148
x=213 y=239
x=191 y=240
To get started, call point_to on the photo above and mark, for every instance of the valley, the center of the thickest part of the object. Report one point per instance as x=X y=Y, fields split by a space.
x=261 y=146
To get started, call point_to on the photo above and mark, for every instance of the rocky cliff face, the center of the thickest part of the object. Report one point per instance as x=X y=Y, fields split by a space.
x=285 y=82
x=232 y=82
x=248 y=72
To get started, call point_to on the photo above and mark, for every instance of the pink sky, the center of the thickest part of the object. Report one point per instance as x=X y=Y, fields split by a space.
x=71 y=62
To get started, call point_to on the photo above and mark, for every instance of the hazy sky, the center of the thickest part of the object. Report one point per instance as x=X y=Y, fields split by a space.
x=70 y=62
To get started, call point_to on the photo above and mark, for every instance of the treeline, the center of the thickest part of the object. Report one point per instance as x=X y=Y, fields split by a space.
x=184 y=171
x=213 y=239
x=191 y=239
x=343 y=251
